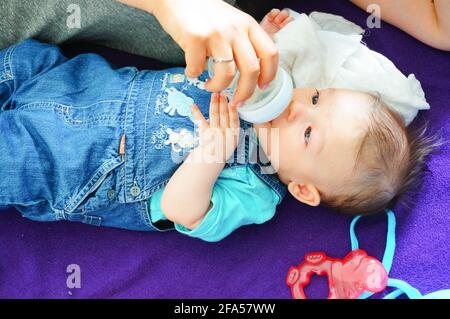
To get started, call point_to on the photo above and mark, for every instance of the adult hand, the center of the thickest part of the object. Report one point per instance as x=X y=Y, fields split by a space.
x=204 y=28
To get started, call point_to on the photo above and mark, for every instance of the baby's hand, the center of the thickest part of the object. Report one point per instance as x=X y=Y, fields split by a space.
x=219 y=137
x=274 y=21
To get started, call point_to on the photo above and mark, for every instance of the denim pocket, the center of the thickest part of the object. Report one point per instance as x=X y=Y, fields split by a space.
x=79 y=146
x=97 y=203
x=97 y=193
x=103 y=113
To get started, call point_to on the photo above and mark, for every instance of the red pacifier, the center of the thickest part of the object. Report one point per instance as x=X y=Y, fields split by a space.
x=347 y=278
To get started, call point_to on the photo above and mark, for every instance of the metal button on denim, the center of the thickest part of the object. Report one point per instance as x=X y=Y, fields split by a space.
x=135 y=190
x=111 y=194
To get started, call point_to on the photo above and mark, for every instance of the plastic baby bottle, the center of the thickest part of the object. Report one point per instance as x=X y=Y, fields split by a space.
x=263 y=105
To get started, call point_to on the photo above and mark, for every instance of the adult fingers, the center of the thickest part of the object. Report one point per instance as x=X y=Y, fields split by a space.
x=195 y=55
x=223 y=71
x=248 y=65
x=267 y=52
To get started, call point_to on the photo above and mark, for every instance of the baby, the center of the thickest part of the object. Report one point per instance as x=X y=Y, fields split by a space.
x=132 y=149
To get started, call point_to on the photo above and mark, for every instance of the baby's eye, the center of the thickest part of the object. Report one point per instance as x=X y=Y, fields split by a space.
x=308 y=134
x=315 y=98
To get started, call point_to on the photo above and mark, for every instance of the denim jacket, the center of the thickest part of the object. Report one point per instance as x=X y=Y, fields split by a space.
x=82 y=141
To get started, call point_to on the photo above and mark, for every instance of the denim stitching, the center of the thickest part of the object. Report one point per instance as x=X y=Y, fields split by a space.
x=9 y=62
x=147 y=106
x=131 y=92
x=143 y=212
x=97 y=178
x=99 y=102
x=7 y=74
x=44 y=105
x=64 y=110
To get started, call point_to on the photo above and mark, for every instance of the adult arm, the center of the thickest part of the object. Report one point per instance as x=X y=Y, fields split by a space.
x=426 y=20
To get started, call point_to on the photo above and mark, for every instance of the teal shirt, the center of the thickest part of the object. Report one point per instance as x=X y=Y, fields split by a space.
x=239 y=197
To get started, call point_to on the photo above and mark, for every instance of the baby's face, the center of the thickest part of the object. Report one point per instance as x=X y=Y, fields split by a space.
x=319 y=134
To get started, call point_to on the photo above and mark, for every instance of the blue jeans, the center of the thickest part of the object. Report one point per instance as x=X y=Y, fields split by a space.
x=61 y=123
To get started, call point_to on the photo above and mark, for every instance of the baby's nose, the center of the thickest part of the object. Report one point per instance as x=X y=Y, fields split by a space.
x=294 y=111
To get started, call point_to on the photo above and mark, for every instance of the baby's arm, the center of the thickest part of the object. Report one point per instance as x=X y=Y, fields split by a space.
x=187 y=197
x=426 y=20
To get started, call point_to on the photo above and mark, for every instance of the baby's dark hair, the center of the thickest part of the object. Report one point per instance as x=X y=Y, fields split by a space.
x=390 y=162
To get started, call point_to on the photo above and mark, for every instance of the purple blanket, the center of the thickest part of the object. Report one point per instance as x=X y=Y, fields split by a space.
x=253 y=261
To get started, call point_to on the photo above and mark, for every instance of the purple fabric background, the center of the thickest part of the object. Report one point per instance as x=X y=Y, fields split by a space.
x=253 y=261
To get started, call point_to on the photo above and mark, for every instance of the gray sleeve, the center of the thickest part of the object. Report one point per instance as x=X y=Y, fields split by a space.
x=104 y=22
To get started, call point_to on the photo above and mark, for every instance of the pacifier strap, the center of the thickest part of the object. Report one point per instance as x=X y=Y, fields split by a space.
x=390 y=239
x=389 y=249
x=402 y=286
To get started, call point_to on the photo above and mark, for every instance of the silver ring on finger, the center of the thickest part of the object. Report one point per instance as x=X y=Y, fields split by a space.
x=220 y=60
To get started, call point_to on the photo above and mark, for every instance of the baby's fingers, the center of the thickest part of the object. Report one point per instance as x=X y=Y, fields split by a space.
x=198 y=117
x=234 y=116
x=273 y=13
x=283 y=15
x=214 y=120
x=289 y=19
x=224 y=118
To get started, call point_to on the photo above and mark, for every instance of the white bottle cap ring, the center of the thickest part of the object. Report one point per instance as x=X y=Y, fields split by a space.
x=263 y=106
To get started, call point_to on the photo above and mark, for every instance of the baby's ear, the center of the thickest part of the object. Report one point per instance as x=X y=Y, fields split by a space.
x=305 y=193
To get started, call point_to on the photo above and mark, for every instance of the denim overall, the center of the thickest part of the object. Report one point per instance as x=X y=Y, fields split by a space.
x=81 y=141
